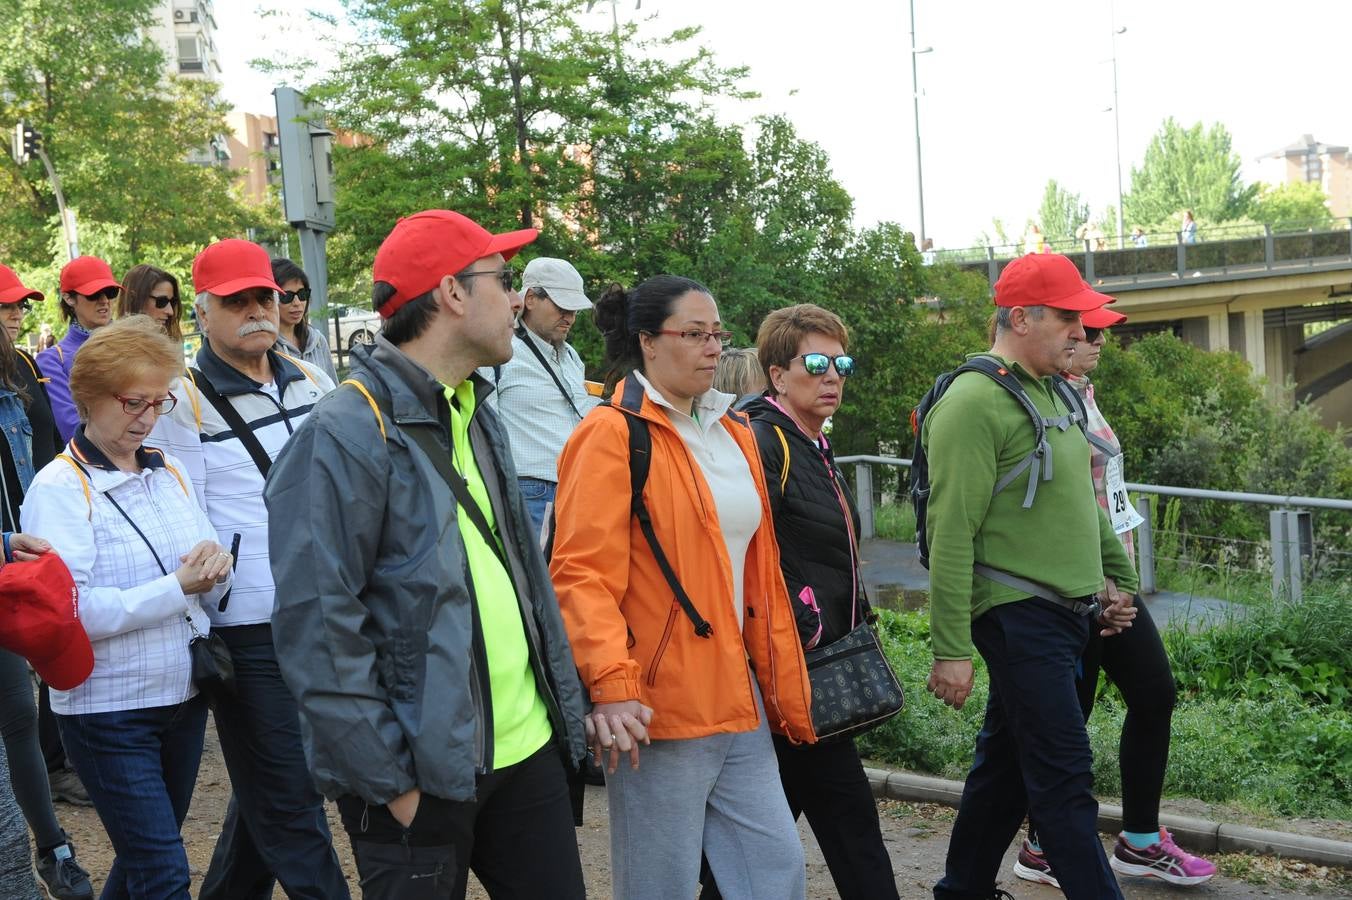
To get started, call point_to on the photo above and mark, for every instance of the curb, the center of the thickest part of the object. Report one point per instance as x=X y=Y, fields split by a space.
x=1201 y=835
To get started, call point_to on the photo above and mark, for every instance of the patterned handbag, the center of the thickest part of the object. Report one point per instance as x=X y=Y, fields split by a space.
x=854 y=689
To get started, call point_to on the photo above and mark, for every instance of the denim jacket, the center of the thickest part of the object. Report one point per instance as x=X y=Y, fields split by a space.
x=19 y=434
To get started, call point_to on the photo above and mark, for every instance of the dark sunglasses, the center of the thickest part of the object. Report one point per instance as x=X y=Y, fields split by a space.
x=24 y=305
x=819 y=363
x=1092 y=334
x=162 y=302
x=506 y=276
x=108 y=293
x=303 y=295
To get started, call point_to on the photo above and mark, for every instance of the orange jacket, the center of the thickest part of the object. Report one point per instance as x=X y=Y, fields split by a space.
x=630 y=638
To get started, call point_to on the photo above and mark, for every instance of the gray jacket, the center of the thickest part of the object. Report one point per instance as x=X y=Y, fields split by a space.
x=374 y=620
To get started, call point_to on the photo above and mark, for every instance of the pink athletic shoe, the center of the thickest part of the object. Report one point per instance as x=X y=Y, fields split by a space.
x=1163 y=860
x=1033 y=866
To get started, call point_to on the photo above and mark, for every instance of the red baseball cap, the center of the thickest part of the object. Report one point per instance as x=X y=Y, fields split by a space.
x=230 y=266
x=12 y=290
x=1103 y=317
x=426 y=247
x=40 y=620
x=86 y=276
x=1047 y=279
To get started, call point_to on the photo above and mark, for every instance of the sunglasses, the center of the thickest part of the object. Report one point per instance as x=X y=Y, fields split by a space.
x=1092 y=334
x=285 y=297
x=134 y=406
x=22 y=305
x=507 y=276
x=819 y=363
x=108 y=293
x=162 y=302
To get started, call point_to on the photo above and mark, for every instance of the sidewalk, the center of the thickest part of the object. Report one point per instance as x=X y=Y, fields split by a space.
x=896 y=580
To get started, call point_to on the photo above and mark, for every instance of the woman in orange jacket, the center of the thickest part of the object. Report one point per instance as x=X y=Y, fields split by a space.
x=701 y=675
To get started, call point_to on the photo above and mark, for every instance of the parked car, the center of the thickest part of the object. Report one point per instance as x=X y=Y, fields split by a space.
x=354 y=326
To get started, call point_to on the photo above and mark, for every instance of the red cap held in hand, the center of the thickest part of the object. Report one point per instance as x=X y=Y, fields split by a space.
x=427 y=246
x=40 y=620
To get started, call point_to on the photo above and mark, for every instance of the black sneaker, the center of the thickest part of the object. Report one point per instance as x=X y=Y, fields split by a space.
x=62 y=876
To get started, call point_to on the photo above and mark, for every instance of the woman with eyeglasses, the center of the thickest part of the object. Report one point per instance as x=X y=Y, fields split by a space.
x=144 y=556
x=1135 y=660
x=803 y=353
x=153 y=292
x=295 y=335
x=88 y=293
x=678 y=617
x=31 y=442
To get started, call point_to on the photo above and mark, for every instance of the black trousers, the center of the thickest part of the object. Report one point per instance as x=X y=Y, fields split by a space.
x=826 y=782
x=517 y=837
x=1032 y=753
x=48 y=735
x=275 y=827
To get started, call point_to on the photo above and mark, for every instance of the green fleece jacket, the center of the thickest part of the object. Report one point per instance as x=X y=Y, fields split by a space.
x=974 y=435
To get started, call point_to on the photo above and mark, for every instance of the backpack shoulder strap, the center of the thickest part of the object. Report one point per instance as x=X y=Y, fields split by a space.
x=60 y=353
x=195 y=398
x=32 y=367
x=1038 y=463
x=299 y=364
x=81 y=474
x=371 y=401
x=236 y=421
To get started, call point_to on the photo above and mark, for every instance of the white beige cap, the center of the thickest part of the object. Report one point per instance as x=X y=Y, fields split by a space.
x=559 y=280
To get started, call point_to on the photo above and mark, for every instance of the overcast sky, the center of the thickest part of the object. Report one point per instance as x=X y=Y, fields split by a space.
x=1014 y=92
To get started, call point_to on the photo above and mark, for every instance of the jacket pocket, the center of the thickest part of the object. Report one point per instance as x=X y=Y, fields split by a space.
x=662 y=645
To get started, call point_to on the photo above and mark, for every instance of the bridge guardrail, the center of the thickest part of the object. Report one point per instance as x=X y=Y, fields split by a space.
x=1290 y=531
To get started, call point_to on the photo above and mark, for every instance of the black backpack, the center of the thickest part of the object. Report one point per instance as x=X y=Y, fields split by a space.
x=1032 y=463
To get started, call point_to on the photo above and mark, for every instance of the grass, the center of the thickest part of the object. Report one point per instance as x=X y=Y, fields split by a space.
x=894 y=522
x=1262 y=720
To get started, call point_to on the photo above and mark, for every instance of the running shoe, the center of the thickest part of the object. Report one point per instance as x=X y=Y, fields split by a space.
x=62 y=876
x=1033 y=866
x=1163 y=860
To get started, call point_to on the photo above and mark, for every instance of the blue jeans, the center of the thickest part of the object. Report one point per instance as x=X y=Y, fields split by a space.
x=139 y=767
x=538 y=494
x=1032 y=753
x=275 y=829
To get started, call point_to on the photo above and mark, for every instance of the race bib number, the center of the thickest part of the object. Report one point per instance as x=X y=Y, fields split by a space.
x=1120 y=511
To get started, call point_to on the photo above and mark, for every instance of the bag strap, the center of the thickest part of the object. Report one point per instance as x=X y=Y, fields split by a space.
x=1035 y=589
x=784 y=469
x=299 y=364
x=640 y=461
x=234 y=420
x=86 y=482
x=441 y=461
x=32 y=367
x=525 y=338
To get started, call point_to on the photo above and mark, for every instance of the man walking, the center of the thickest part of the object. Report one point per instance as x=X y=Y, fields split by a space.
x=436 y=685
x=1014 y=568
x=541 y=396
x=236 y=411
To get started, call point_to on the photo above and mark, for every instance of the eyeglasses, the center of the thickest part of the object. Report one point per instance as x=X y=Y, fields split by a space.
x=264 y=297
x=22 y=305
x=162 y=302
x=507 y=276
x=1092 y=334
x=819 y=363
x=696 y=338
x=134 y=406
x=108 y=293
x=285 y=297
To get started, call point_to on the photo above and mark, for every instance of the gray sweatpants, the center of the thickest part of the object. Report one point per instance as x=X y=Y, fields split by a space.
x=16 y=860
x=721 y=794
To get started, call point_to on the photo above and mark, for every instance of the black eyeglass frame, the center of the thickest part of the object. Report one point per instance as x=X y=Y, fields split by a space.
x=286 y=297
x=506 y=276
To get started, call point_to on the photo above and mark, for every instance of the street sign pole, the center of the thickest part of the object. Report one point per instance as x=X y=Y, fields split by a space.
x=307 y=188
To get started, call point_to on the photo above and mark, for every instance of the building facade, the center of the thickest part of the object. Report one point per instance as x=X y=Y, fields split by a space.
x=1308 y=160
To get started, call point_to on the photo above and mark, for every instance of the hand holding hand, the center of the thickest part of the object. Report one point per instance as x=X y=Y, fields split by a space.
x=951 y=681
x=617 y=728
x=1118 y=610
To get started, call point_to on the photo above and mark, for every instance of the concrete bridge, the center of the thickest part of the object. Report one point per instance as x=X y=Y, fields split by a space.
x=1253 y=290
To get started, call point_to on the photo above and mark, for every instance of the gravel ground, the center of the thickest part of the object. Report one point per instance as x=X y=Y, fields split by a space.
x=916 y=836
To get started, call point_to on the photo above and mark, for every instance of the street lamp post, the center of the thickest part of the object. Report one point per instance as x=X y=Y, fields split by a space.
x=1117 y=126
x=915 y=96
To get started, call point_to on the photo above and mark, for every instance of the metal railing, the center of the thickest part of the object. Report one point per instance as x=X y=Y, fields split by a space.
x=1290 y=529
x=1166 y=257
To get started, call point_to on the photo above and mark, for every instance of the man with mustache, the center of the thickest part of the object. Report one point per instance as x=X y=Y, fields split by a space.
x=88 y=292
x=236 y=410
x=1019 y=547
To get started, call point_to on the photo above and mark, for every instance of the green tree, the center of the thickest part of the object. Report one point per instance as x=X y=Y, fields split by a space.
x=1062 y=211
x=118 y=131
x=1188 y=168
x=1296 y=205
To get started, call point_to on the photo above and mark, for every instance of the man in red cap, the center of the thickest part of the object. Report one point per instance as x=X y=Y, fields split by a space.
x=1018 y=550
x=424 y=641
x=88 y=292
x=237 y=408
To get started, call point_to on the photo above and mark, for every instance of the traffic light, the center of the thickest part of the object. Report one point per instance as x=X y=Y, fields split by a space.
x=27 y=142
